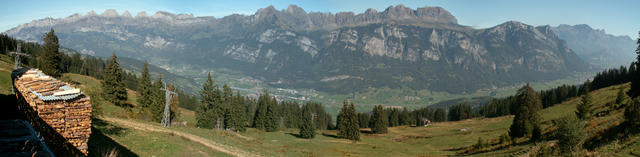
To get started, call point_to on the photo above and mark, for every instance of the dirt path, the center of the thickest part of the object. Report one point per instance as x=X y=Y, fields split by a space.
x=208 y=143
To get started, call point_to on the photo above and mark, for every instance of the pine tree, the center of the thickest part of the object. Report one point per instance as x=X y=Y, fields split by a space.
x=570 y=134
x=272 y=119
x=632 y=114
x=50 y=58
x=440 y=115
x=635 y=80
x=348 y=127
x=404 y=117
x=306 y=128
x=112 y=84
x=259 y=120
x=584 y=110
x=157 y=100
x=234 y=118
x=394 y=118
x=209 y=113
x=363 y=120
x=378 y=121
x=527 y=117
x=144 y=87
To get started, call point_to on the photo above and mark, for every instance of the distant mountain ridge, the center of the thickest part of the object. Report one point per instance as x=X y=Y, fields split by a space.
x=596 y=46
x=344 y=52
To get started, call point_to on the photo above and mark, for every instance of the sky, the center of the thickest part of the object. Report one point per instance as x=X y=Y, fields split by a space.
x=617 y=17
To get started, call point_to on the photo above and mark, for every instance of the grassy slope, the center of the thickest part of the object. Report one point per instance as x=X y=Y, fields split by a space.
x=444 y=138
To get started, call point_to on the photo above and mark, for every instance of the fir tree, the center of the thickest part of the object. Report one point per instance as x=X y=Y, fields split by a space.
x=378 y=121
x=404 y=117
x=632 y=114
x=570 y=134
x=209 y=113
x=394 y=118
x=527 y=117
x=50 y=58
x=157 y=100
x=112 y=84
x=259 y=120
x=363 y=120
x=584 y=110
x=348 y=127
x=306 y=128
x=272 y=119
x=234 y=117
x=144 y=87
x=635 y=78
x=440 y=115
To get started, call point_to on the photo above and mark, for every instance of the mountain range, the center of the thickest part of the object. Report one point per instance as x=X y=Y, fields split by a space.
x=400 y=47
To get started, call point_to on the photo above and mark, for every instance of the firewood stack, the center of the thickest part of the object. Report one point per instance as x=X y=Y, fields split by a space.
x=61 y=113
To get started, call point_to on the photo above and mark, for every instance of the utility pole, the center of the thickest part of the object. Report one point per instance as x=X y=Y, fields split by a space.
x=17 y=53
x=166 y=118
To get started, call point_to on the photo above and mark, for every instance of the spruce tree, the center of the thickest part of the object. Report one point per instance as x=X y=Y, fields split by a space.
x=584 y=109
x=157 y=100
x=570 y=134
x=307 y=130
x=259 y=120
x=527 y=117
x=234 y=118
x=348 y=127
x=113 y=84
x=394 y=118
x=632 y=114
x=272 y=119
x=378 y=120
x=404 y=117
x=209 y=111
x=50 y=58
x=144 y=87
x=440 y=115
x=635 y=80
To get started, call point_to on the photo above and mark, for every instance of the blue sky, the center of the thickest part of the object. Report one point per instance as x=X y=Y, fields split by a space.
x=618 y=17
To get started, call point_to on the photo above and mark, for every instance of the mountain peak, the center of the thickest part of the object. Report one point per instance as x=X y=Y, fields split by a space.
x=293 y=9
x=141 y=14
x=110 y=13
x=126 y=14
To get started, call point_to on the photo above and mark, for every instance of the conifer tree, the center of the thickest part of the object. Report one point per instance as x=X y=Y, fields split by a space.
x=378 y=120
x=404 y=117
x=144 y=87
x=348 y=127
x=50 y=58
x=234 y=118
x=394 y=118
x=259 y=120
x=635 y=80
x=632 y=114
x=113 y=87
x=272 y=119
x=440 y=115
x=570 y=134
x=584 y=109
x=363 y=120
x=307 y=130
x=527 y=117
x=157 y=100
x=209 y=107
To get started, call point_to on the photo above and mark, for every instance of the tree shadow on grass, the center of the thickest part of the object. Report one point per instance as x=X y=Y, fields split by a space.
x=618 y=132
x=329 y=135
x=101 y=144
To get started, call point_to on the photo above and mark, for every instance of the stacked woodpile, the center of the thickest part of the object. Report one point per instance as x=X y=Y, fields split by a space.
x=61 y=113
